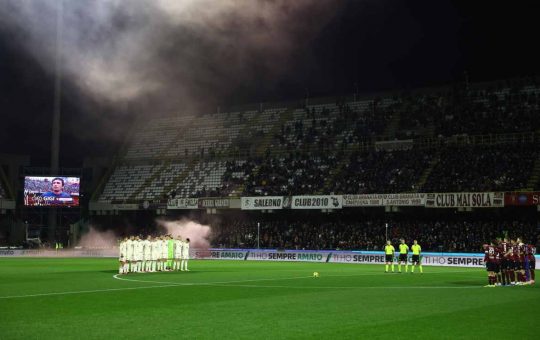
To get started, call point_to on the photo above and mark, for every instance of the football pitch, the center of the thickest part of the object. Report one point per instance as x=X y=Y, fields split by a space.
x=83 y=298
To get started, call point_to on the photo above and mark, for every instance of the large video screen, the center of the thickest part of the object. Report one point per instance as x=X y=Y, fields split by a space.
x=54 y=191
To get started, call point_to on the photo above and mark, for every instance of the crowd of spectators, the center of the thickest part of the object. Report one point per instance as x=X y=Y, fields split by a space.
x=502 y=167
x=438 y=236
x=315 y=152
x=482 y=168
x=333 y=147
x=503 y=110
x=509 y=107
x=381 y=172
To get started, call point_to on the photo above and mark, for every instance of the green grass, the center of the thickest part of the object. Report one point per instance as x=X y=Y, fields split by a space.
x=79 y=299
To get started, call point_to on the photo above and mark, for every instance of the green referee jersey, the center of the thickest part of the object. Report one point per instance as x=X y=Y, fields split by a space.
x=416 y=249
x=403 y=249
x=389 y=249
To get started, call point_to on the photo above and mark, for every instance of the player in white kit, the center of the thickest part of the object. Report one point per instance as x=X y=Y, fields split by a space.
x=155 y=253
x=129 y=254
x=178 y=244
x=122 y=248
x=164 y=252
x=147 y=254
x=138 y=253
x=185 y=256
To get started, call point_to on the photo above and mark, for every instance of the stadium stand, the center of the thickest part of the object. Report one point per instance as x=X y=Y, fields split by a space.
x=482 y=168
x=474 y=137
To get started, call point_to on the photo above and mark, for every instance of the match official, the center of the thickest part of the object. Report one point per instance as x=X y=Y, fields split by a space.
x=389 y=251
x=403 y=252
x=416 y=251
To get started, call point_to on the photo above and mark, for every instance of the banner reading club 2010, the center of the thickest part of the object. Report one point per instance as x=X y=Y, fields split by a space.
x=317 y=202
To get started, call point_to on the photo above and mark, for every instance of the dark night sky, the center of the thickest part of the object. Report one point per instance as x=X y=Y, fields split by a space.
x=377 y=45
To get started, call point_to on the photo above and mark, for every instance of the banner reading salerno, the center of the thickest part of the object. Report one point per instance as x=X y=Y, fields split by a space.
x=383 y=200
x=465 y=200
x=183 y=203
x=262 y=203
x=317 y=202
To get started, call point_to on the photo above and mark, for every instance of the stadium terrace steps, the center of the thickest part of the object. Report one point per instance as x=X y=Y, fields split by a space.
x=335 y=173
x=204 y=178
x=533 y=181
x=5 y=183
x=430 y=130
x=156 y=174
x=146 y=184
x=181 y=177
x=125 y=180
x=268 y=137
x=393 y=125
x=425 y=175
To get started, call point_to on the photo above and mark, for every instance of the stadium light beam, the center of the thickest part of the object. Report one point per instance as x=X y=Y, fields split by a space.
x=57 y=105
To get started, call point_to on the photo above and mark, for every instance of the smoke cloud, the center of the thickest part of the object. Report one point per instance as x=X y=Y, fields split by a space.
x=95 y=239
x=178 y=53
x=198 y=234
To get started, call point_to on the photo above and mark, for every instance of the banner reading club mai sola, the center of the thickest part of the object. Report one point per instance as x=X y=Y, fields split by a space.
x=383 y=200
x=465 y=200
x=262 y=203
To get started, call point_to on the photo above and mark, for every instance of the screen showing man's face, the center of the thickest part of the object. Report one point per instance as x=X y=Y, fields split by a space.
x=57 y=186
x=51 y=191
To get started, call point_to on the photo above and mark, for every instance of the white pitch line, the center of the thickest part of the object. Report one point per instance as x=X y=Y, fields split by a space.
x=85 y=291
x=347 y=287
x=227 y=284
x=116 y=276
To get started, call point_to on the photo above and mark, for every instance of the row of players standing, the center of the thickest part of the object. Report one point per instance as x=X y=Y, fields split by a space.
x=162 y=253
x=510 y=262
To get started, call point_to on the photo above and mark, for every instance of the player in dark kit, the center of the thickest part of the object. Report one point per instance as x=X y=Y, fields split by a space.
x=503 y=250
x=516 y=255
x=521 y=253
x=491 y=258
x=531 y=251
x=512 y=264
